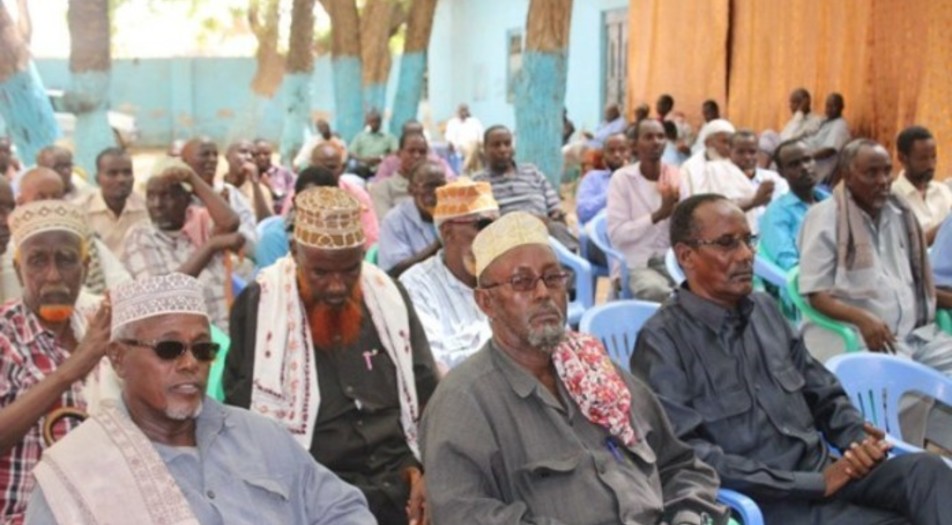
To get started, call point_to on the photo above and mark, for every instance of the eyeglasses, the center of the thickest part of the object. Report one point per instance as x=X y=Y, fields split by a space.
x=171 y=350
x=528 y=283
x=727 y=242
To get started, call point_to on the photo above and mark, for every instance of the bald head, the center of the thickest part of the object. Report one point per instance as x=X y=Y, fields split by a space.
x=328 y=156
x=201 y=154
x=60 y=160
x=40 y=184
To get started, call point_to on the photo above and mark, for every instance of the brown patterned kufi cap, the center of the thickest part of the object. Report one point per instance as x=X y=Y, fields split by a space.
x=327 y=218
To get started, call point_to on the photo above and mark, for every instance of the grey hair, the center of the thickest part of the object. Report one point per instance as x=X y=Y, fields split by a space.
x=851 y=150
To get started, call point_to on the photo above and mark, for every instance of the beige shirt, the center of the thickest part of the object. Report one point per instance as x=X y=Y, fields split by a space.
x=930 y=210
x=108 y=227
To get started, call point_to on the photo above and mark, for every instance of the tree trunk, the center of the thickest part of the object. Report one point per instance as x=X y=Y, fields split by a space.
x=375 y=52
x=88 y=97
x=540 y=94
x=297 y=82
x=265 y=24
x=346 y=63
x=406 y=103
x=23 y=101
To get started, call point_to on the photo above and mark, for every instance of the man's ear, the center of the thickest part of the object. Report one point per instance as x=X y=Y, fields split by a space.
x=484 y=302
x=117 y=356
x=684 y=255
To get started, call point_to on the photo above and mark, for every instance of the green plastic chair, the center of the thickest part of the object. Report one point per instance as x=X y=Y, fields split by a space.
x=215 y=389
x=846 y=332
x=943 y=318
x=371 y=255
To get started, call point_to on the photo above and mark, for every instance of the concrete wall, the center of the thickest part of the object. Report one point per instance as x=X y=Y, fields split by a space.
x=468 y=59
x=467 y=62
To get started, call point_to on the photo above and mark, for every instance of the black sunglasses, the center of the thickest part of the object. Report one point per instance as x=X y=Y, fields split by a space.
x=171 y=350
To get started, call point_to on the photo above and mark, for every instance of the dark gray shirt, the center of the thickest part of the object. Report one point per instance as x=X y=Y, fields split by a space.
x=741 y=388
x=499 y=448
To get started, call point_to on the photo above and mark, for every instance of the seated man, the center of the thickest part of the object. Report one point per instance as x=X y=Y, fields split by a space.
x=371 y=145
x=803 y=123
x=104 y=270
x=352 y=374
x=166 y=453
x=829 y=139
x=243 y=174
x=183 y=238
x=49 y=356
x=592 y=194
x=278 y=179
x=931 y=201
x=863 y=261
x=7 y=204
x=781 y=222
x=407 y=234
x=329 y=156
x=614 y=123
x=522 y=187
x=387 y=193
x=717 y=146
x=324 y=134
x=641 y=197
x=762 y=187
x=942 y=264
x=539 y=426
x=201 y=154
x=60 y=160
x=393 y=162
x=113 y=209
x=739 y=386
x=441 y=287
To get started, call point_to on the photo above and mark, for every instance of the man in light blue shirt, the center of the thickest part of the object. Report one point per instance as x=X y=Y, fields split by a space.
x=781 y=222
x=941 y=257
x=407 y=234
x=592 y=195
x=614 y=123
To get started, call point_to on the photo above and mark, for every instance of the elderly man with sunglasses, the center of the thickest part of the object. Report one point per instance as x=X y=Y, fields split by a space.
x=740 y=387
x=441 y=287
x=165 y=453
x=539 y=426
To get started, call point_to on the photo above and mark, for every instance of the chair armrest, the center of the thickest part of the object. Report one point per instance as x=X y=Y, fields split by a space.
x=845 y=331
x=943 y=318
x=743 y=506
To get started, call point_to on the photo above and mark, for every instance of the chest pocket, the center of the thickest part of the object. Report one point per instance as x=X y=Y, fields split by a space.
x=268 y=496
x=546 y=484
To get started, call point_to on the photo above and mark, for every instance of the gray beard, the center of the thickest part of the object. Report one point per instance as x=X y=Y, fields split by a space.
x=184 y=413
x=547 y=338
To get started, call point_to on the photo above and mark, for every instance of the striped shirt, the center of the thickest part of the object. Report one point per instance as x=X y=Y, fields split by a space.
x=523 y=188
x=454 y=325
x=28 y=354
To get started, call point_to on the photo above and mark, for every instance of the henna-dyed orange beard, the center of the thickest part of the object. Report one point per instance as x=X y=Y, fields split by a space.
x=332 y=325
x=55 y=313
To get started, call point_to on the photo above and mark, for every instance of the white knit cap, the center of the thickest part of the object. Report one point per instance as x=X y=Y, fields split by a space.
x=173 y=293
x=46 y=216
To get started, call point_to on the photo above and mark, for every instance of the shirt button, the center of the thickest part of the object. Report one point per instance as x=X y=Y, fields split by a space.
x=349 y=389
x=360 y=422
x=210 y=494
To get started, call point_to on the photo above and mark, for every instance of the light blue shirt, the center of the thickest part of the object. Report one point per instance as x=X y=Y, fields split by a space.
x=942 y=254
x=248 y=470
x=403 y=234
x=605 y=130
x=671 y=155
x=273 y=243
x=780 y=228
x=592 y=195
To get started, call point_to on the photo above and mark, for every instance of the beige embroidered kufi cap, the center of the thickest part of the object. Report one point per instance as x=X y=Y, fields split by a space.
x=327 y=218
x=167 y=165
x=46 y=216
x=173 y=293
x=510 y=231
x=462 y=198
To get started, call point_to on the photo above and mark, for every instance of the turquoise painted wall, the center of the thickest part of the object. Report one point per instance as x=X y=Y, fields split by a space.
x=468 y=54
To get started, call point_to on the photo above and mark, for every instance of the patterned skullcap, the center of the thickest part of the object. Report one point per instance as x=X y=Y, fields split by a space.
x=173 y=293
x=327 y=218
x=510 y=231
x=462 y=198
x=45 y=216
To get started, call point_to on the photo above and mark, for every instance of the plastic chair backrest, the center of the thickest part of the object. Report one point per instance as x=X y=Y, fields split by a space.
x=583 y=248
x=850 y=339
x=584 y=288
x=617 y=325
x=673 y=267
x=215 y=389
x=742 y=507
x=876 y=383
x=600 y=238
x=371 y=255
x=770 y=272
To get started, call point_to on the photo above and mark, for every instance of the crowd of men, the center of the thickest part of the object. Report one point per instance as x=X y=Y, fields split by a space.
x=387 y=328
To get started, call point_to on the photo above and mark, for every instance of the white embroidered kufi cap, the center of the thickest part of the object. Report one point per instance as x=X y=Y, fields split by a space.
x=510 y=231
x=173 y=293
x=327 y=218
x=46 y=216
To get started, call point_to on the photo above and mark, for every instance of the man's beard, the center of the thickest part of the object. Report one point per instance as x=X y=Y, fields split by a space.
x=181 y=413
x=333 y=325
x=55 y=313
x=547 y=337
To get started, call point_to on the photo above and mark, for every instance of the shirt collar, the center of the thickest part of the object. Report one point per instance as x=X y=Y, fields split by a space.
x=711 y=314
x=521 y=381
x=98 y=205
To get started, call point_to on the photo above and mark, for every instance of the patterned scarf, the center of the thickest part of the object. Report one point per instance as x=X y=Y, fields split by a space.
x=96 y=278
x=588 y=374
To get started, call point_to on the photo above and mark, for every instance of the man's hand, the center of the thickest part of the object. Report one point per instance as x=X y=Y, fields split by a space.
x=874 y=432
x=416 y=505
x=877 y=336
x=764 y=193
x=669 y=199
x=227 y=241
x=250 y=170
x=93 y=345
x=864 y=456
x=836 y=476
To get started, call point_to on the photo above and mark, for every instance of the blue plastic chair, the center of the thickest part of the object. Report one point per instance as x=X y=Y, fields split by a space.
x=617 y=325
x=584 y=284
x=600 y=228
x=876 y=384
x=583 y=244
x=770 y=272
x=673 y=267
x=742 y=507
x=237 y=285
